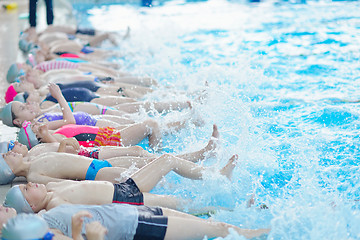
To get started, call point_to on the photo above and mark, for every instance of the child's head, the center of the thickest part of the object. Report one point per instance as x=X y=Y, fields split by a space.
x=27 y=198
x=26 y=227
x=15 y=113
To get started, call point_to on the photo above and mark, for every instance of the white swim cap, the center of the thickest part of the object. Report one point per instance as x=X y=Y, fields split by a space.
x=15 y=199
x=25 y=227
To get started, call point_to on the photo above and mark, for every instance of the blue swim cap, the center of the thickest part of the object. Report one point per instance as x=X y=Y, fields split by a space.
x=6 y=174
x=15 y=199
x=26 y=136
x=20 y=97
x=12 y=73
x=25 y=227
x=3 y=147
x=24 y=45
x=6 y=115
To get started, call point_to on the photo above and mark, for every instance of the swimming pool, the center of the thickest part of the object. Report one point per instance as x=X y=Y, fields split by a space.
x=281 y=80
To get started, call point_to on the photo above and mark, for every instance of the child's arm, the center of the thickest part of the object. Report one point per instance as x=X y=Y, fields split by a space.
x=76 y=224
x=69 y=142
x=68 y=117
x=42 y=179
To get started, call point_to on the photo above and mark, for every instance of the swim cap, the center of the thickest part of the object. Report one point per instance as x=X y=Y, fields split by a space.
x=10 y=93
x=26 y=136
x=25 y=227
x=3 y=147
x=15 y=199
x=6 y=115
x=6 y=174
x=12 y=73
x=24 y=45
x=20 y=97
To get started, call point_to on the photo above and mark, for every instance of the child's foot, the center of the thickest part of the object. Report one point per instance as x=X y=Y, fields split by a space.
x=251 y=201
x=213 y=142
x=127 y=34
x=229 y=167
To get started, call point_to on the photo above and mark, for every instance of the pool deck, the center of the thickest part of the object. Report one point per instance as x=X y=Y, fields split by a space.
x=12 y=22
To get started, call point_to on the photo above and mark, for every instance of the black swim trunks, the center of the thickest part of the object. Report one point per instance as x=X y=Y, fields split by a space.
x=151 y=223
x=128 y=192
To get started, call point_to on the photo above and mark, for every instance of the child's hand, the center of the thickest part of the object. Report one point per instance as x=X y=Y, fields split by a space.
x=55 y=90
x=77 y=222
x=73 y=143
x=95 y=231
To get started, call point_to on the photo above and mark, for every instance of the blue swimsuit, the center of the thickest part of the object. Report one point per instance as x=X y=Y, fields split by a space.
x=94 y=168
x=78 y=94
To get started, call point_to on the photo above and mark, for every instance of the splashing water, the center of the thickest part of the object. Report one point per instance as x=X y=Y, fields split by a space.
x=281 y=86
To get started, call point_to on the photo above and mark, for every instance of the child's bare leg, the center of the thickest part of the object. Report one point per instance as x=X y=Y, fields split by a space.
x=148 y=176
x=111 y=174
x=158 y=106
x=96 y=40
x=141 y=81
x=167 y=203
x=87 y=107
x=107 y=152
x=117 y=119
x=134 y=133
x=128 y=161
x=228 y=169
x=210 y=147
x=134 y=87
x=112 y=100
x=186 y=228
x=107 y=123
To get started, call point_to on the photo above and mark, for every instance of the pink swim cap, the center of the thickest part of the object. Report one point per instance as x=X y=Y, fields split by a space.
x=10 y=94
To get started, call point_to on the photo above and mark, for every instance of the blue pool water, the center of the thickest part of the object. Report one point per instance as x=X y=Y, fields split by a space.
x=283 y=82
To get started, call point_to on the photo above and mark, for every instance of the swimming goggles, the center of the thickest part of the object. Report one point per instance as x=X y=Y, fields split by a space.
x=11 y=145
x=48 y=236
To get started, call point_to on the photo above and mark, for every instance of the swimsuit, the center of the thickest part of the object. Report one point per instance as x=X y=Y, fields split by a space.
x=151 y=223
x=123 y=221
x=128 y=192
x=85 y=31
x=94 y=168
x=53 y=64
x=81 y=118
x=75 y=95
x=91 y=85
x=89 y=136
x=87 y=50
x=89 y=152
